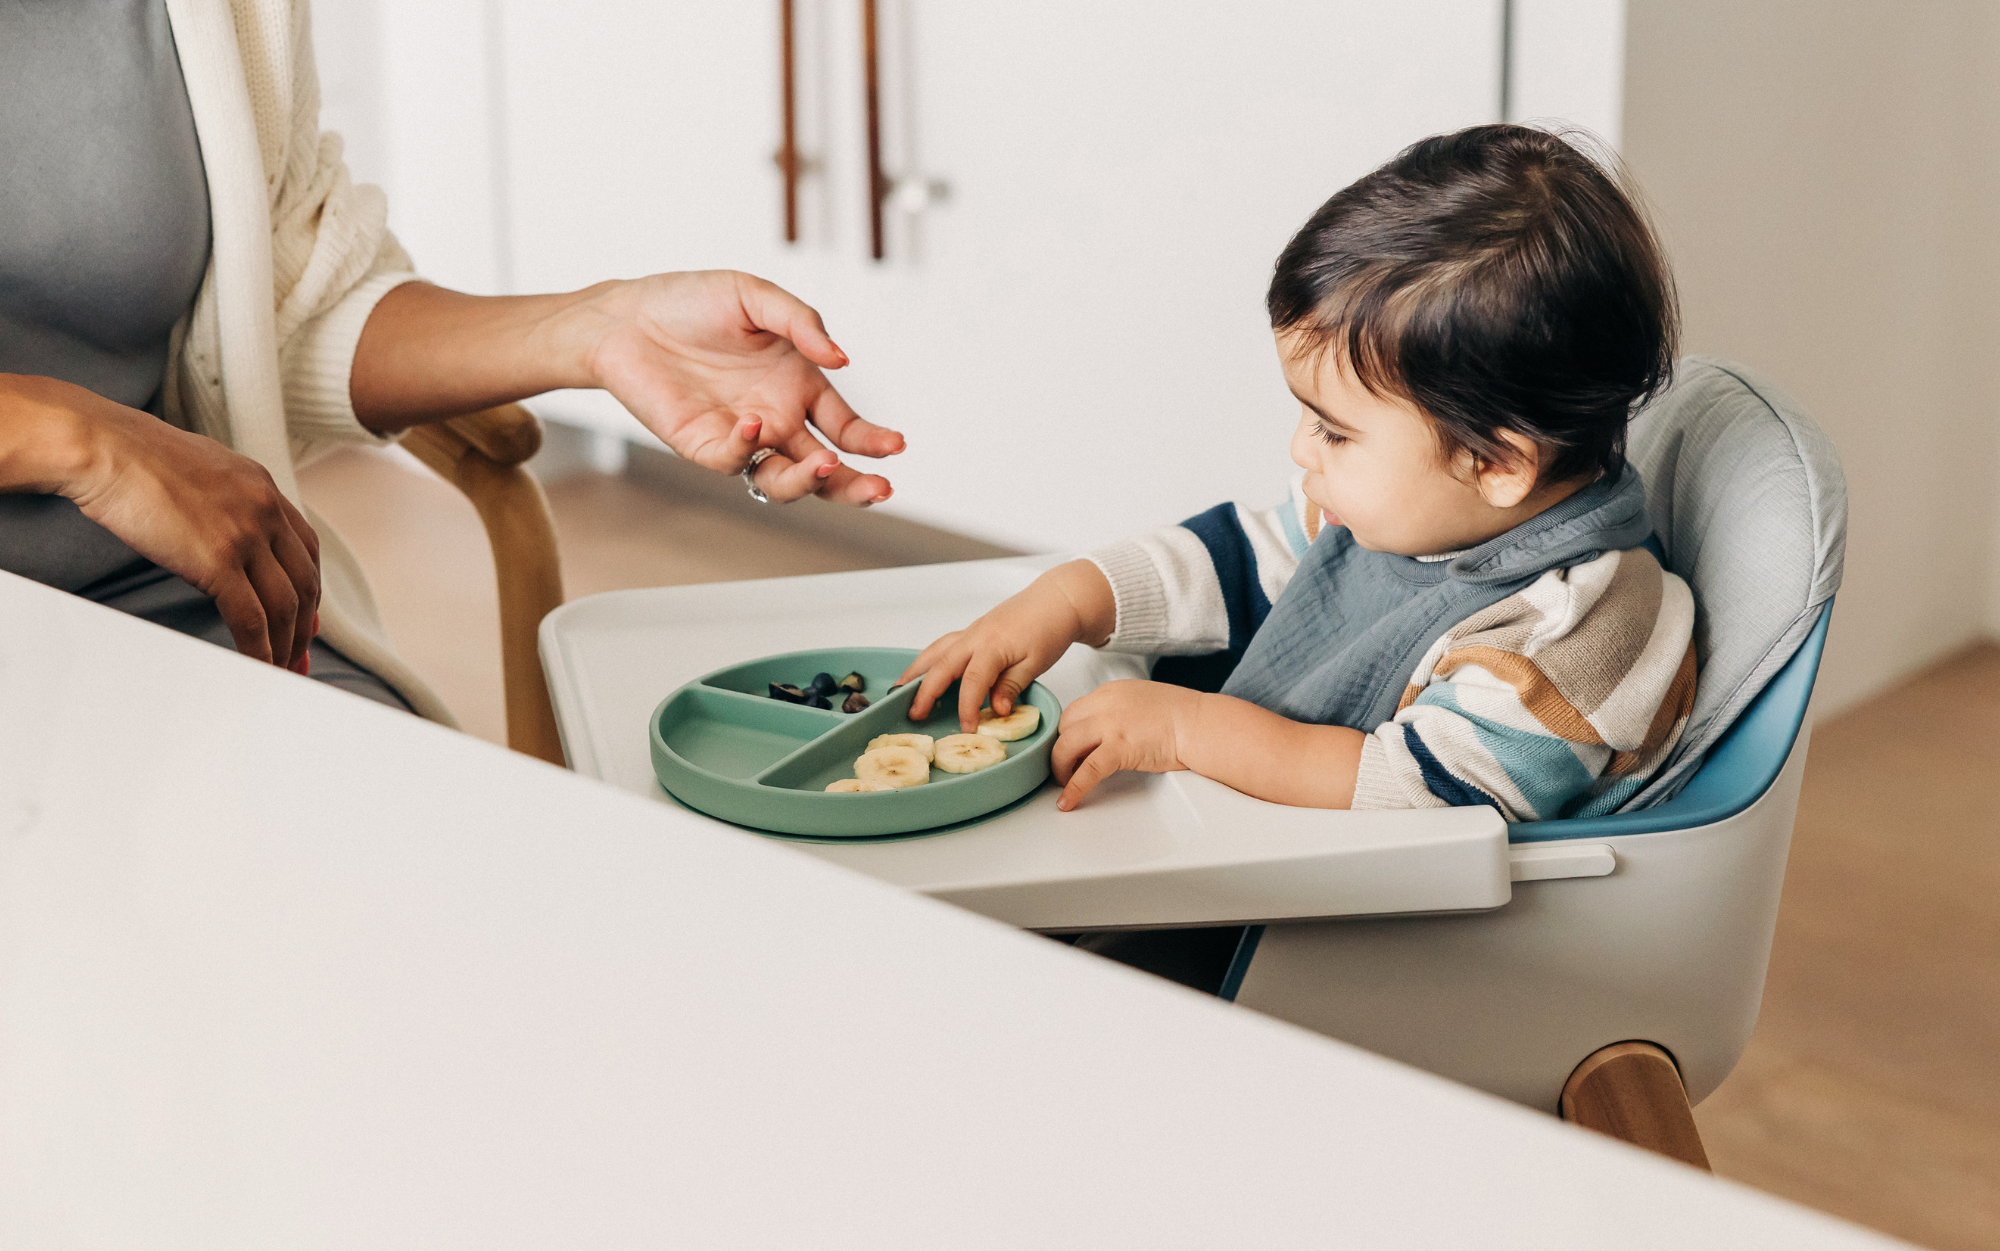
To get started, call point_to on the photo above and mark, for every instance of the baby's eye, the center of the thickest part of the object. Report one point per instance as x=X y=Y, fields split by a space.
x=1326 y=435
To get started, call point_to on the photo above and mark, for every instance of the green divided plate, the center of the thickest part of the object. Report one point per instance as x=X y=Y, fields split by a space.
x=723 y=746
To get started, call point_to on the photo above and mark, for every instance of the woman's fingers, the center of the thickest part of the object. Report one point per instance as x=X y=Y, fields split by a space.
x=846 y=486
x=297 y=565
x=785 y=478
x=280 y=601
x=242 y=610
x=771 y=307
x=831 y=480
x=849 y=431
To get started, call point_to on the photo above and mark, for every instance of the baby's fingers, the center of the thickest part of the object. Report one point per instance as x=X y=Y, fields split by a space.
x=1098 y=765
x=942 y=673
x=1010 y=685
x=972 y=688
x=928 y=656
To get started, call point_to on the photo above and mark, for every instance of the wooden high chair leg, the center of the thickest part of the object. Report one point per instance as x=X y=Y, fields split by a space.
x=1633 y=1092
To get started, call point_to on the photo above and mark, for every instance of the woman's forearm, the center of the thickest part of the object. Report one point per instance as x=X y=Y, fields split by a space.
x=428 y=353
x=1270 y=757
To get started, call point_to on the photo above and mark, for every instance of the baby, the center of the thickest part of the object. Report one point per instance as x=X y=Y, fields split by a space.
x=1457 y=604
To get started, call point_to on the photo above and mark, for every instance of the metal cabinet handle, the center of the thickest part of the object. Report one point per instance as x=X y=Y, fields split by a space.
x=878 y=185
x=788 y=155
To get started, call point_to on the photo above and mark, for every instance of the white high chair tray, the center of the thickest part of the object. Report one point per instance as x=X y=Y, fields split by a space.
x=1145 y=850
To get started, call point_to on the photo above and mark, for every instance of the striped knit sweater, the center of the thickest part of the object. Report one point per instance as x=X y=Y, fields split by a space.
x=1560 y=700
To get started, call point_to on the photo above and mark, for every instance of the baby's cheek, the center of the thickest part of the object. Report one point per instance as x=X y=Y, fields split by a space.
x=1315 y=490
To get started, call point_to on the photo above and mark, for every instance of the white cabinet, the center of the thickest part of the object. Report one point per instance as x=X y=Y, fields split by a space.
x=1073 y=335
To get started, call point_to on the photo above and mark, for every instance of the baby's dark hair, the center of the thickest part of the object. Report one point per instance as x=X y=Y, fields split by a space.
x=1498 y=279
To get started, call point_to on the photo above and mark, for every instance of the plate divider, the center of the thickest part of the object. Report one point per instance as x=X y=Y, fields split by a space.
x=833 y=719
x=896 y=702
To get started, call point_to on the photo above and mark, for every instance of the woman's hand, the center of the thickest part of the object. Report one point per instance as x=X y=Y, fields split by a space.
x=720 y=364
x=1014 y=644
x=1122 y=725
x=717 y=364
x=186 y=503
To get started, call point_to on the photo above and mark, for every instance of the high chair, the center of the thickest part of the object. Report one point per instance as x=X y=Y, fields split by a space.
x=1606 y=969
x=1667 y=942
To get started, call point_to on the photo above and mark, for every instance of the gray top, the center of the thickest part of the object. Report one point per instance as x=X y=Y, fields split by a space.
x=104 y=237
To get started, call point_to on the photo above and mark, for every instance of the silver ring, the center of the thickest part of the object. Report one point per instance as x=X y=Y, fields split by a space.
x=757 y=458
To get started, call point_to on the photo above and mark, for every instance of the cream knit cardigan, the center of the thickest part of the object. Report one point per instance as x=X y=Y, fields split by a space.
x=299 y=257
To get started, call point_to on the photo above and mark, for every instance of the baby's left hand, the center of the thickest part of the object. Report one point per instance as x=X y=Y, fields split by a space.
x=1121 y=725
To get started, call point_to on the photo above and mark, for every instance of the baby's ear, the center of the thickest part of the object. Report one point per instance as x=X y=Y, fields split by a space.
x=1506 y=481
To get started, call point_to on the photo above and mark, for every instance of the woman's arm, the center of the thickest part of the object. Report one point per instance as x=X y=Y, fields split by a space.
x=186 y=503
x=717 y=364
x=1157 y=728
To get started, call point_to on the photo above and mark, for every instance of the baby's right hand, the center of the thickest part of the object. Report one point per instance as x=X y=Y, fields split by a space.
x=1014 y=644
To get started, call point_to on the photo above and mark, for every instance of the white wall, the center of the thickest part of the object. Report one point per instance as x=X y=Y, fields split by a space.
x=410 y=84
x=1566 y=63
x=1824 y=175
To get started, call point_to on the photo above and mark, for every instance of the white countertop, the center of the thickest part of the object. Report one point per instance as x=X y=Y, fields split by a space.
x=282 y=968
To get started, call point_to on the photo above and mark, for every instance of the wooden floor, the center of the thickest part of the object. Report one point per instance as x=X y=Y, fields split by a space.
x=1866 y=1090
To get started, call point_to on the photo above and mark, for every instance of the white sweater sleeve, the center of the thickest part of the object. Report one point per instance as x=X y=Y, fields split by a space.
x=332 y=256
x=1203 y=586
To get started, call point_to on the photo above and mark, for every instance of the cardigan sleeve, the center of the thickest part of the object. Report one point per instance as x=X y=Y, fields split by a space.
x=333 y=258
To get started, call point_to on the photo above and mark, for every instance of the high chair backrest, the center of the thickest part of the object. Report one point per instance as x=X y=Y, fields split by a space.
x=1750 y=506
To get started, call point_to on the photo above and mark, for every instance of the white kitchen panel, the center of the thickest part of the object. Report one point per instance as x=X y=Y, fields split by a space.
x=1073 y=335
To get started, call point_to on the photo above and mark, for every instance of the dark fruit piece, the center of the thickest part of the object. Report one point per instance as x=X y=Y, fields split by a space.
x=854 y=703
x=853 y=682
x=824 y=684
x=790 y=694
x=819 y=701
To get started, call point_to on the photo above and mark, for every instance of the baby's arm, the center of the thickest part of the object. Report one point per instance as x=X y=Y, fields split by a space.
x=1016 y=643
x=1194 y=589
x=1157 y=728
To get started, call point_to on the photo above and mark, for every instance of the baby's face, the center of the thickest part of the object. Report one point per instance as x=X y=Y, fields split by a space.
x=1373 y=464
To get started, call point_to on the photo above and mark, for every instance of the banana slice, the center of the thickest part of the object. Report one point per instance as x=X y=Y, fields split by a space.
x=893 y=766
x=847 y=786
x=1018 y=724
x=922 y=742
x=968 y=753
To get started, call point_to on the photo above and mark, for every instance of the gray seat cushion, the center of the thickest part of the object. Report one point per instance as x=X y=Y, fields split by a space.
x=1748 y=500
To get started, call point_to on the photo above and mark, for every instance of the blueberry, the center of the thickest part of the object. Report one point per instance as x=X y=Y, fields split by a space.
x=824 y=683
x=790 y=694
x=853 y=682
x=819 y=701
x=854 y=703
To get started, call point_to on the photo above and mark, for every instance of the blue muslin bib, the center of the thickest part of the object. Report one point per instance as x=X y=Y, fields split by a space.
x=1342 y=641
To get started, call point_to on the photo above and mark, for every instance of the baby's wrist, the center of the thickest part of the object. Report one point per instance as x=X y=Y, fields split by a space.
x=1087 y=593
x=1189 y=717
